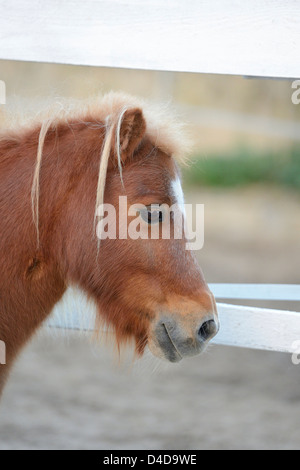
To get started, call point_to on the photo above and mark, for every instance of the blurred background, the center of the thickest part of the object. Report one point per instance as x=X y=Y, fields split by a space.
x=66 y=393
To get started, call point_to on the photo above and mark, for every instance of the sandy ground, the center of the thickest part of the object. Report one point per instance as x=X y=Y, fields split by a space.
x=66 y=394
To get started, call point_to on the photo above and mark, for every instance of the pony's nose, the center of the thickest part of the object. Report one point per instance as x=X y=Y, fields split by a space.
x=176 y=340
x=207 y=330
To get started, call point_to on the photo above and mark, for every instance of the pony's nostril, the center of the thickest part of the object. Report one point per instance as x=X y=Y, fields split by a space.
x=207 y=329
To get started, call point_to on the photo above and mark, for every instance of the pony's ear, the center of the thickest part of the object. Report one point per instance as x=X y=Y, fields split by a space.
x=130 y=132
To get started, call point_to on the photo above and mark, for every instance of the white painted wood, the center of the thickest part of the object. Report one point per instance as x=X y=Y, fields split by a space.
x=248 y=327
x=256 y=291
x=252 y=38
x=258 y=328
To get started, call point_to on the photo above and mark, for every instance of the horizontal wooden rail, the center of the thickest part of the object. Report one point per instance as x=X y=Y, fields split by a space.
x=258 y=328
x=251 y=38
x=290 y=292
x=249 y=327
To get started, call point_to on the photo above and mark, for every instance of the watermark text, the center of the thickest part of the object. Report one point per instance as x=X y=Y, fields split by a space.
x=296 y=352
x=296 y=94
x=2 y=353
x=2 y=92
x=157 y=221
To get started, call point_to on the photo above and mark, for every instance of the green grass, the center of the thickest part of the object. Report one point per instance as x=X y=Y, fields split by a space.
x=242 y=167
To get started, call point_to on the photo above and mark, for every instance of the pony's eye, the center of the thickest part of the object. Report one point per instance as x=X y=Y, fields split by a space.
x=152 y=214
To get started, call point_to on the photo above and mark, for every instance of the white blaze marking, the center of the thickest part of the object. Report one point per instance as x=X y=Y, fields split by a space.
x=178 y=194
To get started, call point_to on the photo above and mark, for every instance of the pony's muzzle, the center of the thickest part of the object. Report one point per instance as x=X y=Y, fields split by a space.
x=173 y=340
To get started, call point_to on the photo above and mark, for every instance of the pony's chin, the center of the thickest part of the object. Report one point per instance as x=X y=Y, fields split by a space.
x=169 y=353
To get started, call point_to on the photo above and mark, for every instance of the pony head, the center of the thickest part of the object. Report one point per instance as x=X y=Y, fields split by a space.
x=147 y=288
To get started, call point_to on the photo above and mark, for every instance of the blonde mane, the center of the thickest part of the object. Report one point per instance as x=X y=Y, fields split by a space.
x=162 y=129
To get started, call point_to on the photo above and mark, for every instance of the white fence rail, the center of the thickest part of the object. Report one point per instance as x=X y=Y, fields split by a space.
x=258 y=328
x=289 y=292
x=239 y=37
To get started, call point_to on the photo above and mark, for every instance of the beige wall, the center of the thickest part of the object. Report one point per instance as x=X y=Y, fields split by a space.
x=221 y=111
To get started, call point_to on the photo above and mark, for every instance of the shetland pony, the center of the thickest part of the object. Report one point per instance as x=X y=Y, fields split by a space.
x=54 y=173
